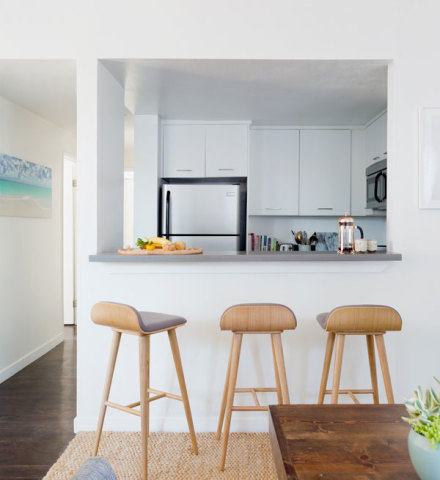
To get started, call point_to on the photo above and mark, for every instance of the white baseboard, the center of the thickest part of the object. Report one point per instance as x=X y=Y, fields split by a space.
x=129 y=423
x=30 y=357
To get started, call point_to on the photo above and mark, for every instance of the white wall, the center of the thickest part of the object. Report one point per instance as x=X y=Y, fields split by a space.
x=110 y=155
x=404 y=31
x=129 y=239
x=146 y=167
x=31 y=259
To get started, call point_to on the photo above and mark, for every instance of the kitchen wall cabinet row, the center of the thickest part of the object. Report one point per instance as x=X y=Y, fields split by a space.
x=376 y=140
x=299 y=172
x=205 y=150
x=308 y=172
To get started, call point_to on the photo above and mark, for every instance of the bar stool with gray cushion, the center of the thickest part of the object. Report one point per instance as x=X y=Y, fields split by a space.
x=261 y=318
x=125 y=319
x=369 y=320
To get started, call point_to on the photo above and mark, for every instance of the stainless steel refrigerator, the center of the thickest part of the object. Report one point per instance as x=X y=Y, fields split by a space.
x=206 y=216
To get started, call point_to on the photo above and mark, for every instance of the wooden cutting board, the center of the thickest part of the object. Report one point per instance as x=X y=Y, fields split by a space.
x=159 y=251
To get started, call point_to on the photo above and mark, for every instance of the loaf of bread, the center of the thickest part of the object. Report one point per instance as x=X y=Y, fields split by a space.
x=180 y=245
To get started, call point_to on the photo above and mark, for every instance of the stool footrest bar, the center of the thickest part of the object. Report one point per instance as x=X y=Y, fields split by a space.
x=157 y=397
x=347 y=392
x=123 y=408
x=353 y=397
x=250 y=409
x=250 y=390
x=164 y=394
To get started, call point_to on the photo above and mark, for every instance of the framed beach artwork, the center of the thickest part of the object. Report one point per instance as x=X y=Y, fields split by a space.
x=429 y=158
x=25 y=188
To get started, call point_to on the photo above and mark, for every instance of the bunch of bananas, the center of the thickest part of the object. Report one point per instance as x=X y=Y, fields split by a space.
x=152 y=243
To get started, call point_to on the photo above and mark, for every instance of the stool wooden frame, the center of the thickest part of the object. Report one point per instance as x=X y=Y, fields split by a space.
x=145 y=390
x=372 y=322
x=237 y=319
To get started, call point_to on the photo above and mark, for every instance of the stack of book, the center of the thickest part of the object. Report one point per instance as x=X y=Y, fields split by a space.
x=262 y=243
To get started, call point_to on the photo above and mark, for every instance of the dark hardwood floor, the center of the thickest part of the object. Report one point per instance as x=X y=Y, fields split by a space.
x=37 y=407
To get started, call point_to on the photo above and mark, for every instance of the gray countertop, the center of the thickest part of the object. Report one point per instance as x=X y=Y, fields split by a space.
x=248 y=257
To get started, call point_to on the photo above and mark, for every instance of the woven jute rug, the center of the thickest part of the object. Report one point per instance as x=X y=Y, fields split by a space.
x=170 y=456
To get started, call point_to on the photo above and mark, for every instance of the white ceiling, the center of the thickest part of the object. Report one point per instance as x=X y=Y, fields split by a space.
x=277 y=92
x=44 y=87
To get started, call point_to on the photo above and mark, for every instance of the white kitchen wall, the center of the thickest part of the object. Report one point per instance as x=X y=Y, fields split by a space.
x=405 y=32
x=110 y=154
x=31 y=293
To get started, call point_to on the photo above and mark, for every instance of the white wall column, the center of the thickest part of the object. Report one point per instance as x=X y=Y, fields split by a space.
x=110 y=166
x=146 y=174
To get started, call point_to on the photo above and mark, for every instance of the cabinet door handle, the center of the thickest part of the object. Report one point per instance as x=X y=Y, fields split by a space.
x=226 y=169
x=183 y=170
x=385 y=153
x=267 y=208
x=325 y=208
x=376 y=158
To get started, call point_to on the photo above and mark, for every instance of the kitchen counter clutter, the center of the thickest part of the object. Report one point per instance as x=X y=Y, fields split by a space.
x=225 y=256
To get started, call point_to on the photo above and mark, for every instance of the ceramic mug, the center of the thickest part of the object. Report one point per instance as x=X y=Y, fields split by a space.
x=371 y=246
x=360 y=245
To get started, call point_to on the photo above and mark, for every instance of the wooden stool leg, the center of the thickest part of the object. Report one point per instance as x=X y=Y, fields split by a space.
x=384 y=366
x=326 y=367
x=144 y=369
x=373 y=372
x=225 y=395
x=235 y=358
x=337 y=367
x=279 y=356
x=107 y=385
x=277 y=373
x=178 y=363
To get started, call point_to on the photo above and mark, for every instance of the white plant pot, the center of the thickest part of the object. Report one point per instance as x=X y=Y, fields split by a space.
x=425 y=459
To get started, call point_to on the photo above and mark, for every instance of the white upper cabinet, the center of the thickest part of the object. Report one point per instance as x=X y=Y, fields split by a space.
x=376 y=140
x=273 y=172
x=184 y=150
x=205 y=150
x=325 y=159
x=226 y=150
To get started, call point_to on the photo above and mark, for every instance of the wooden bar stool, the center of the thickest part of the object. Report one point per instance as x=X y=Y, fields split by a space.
x=253 y=318
x=369 y=320
x=125 y=319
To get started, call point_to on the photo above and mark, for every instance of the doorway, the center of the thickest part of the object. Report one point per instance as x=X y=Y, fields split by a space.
x=69 y=240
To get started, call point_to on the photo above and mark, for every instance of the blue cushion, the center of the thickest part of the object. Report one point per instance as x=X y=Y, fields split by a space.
x=95 y=468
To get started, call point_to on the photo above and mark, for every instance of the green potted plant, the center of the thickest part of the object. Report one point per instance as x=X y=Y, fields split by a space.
x=424 y=437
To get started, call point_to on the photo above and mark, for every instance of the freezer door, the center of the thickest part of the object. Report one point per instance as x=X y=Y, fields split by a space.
x=201 y=209
x=210 y=244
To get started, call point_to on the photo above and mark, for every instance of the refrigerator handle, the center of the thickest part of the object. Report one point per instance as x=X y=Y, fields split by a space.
x=167 y=215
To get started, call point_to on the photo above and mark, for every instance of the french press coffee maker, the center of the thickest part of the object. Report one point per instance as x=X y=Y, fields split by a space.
x=346 y=228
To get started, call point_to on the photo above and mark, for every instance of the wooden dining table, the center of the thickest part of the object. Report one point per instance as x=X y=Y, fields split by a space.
x=340 y=442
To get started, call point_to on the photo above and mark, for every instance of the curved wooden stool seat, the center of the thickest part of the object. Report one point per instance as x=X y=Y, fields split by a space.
x=257 y=318
x=369 y=320
x=126 y=319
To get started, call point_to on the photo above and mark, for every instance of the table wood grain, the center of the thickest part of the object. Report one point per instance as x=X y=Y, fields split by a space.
x=340 y=442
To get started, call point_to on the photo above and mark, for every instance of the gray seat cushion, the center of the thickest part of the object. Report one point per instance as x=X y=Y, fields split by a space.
x=152 y=321
x=95 y=468
x=323 y=319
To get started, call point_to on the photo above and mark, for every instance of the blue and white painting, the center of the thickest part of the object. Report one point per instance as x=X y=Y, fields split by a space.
x=25 y=188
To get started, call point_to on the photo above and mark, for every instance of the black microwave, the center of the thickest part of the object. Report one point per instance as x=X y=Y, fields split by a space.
x=377 y=185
